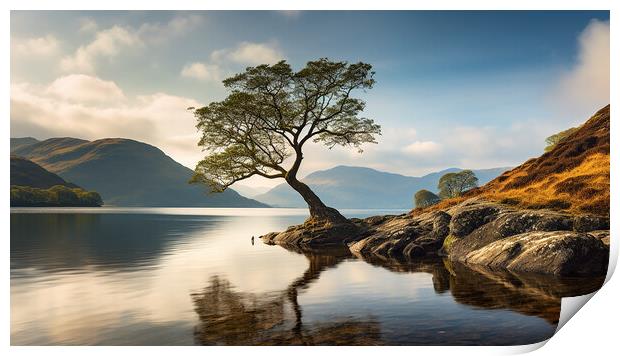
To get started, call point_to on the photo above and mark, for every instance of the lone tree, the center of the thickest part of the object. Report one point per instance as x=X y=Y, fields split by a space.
x=452 y=185
x=424 y=198
x=271 y=113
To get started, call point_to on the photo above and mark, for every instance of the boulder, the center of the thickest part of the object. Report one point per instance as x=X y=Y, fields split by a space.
x=316 y=235
x=471 y=217
x=508 y=223
x=563 y=253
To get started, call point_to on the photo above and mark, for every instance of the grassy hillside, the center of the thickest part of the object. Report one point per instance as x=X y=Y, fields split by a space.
x=27 y=173
x=361 y=187
x=22 y=142
x=127 y=173
x=573 y=176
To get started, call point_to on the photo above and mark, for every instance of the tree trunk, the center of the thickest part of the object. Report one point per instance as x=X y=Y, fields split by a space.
x=318 y=210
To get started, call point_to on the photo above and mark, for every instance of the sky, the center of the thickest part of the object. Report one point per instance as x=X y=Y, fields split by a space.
x=467 y=89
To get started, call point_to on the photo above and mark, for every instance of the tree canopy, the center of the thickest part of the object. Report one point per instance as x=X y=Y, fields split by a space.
x=272 y=112
x=556 y=138
x=452 y=185
x=57 y=195
x=424 y=198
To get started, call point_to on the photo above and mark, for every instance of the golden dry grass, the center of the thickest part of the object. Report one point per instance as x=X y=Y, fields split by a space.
x=573 y=176
x=583 y=189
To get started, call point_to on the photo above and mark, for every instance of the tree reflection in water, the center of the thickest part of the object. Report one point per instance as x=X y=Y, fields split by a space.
x=229 y=317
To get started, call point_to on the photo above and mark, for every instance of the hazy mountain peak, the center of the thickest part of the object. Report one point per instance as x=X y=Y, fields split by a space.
x=363 y=187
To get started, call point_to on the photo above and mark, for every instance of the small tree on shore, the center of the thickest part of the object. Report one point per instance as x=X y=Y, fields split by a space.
x=553 y=140
x=452 y=185
x=424 y=198
x=271 y=113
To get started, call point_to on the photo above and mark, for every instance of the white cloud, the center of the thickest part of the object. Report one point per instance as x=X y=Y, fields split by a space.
x=256 y=53
x=84 y=88
x=40 y=46
x=159 y=119
x=473 y=140
x=158 y=32
x=201 y=71
x=250 y=53
x=422 y=148
x=585 y=88
x=246 y=53
x=107 y=43
x=88 y=25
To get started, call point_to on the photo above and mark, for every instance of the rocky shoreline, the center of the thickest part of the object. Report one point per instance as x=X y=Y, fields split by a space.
x=474 y=232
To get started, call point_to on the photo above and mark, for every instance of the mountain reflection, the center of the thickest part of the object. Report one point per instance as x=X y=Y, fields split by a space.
x=112 y=241
x=229 y=317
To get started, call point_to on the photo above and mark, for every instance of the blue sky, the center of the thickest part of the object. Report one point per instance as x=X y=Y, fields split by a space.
x=467 y=89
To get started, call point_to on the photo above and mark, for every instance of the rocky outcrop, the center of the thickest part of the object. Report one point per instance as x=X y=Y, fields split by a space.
x=498 y=236
x=313 y=234
x=476 y=232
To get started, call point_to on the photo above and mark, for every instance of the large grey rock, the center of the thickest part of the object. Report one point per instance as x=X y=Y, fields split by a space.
x=471 y=217
x=509 y=223
x=564 y=253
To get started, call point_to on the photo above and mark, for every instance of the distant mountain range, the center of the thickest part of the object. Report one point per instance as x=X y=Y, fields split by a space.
x=250 y=192
x=359 y=187
x=131 y=173
x=124 y=172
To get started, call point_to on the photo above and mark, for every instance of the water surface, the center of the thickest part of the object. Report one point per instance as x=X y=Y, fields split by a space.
x=115 y=276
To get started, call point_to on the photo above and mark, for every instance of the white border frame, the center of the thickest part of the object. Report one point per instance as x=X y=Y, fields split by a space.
x=589 y=331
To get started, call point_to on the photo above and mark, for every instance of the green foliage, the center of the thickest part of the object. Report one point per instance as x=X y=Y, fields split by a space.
x=452 y=185
x=448 y=242
x=271 y=112
x=555 y=139
x=57 y=195
x=424 y=198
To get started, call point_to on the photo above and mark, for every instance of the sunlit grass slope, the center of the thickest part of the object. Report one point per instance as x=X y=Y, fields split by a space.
x=573 y=176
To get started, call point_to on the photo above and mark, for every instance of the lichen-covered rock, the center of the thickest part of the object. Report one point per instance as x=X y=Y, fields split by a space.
x=585 y=223
x=564 y=253
x=472 y=217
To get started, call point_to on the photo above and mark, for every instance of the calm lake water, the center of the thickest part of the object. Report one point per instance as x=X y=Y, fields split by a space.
x=114 y=276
